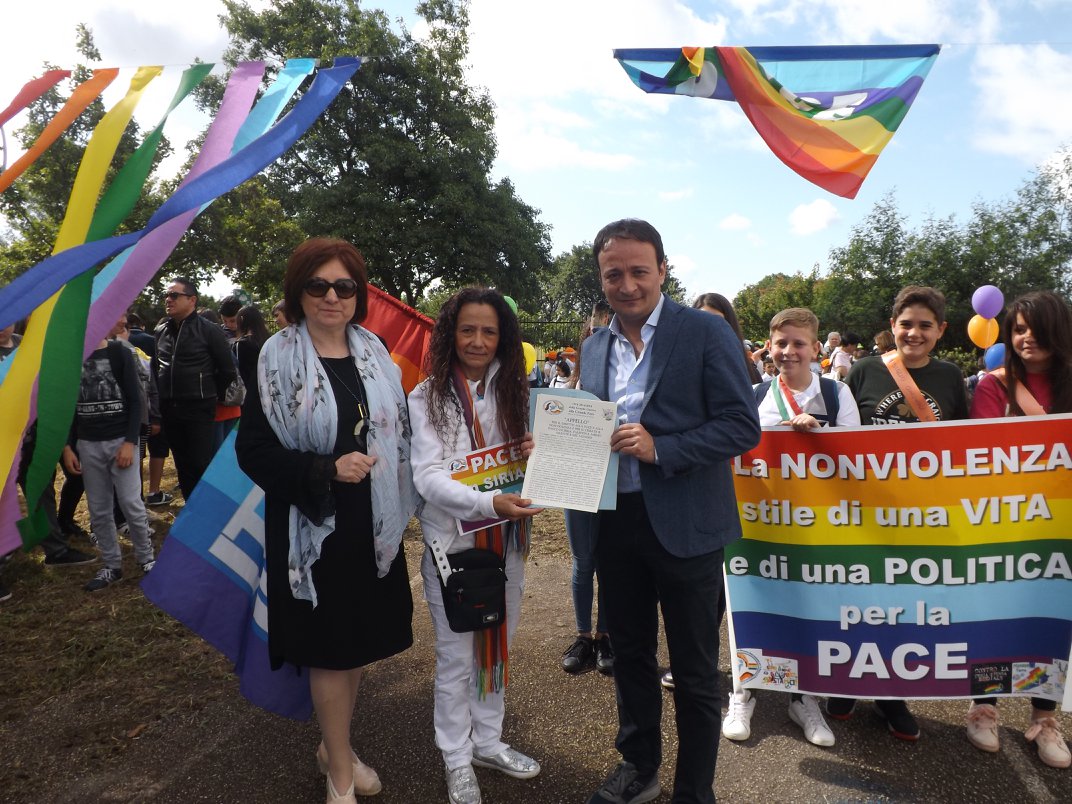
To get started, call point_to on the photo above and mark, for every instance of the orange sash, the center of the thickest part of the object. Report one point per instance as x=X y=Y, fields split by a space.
x=913 y=396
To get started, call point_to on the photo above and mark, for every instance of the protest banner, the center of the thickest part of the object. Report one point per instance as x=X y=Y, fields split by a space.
x=919 y=561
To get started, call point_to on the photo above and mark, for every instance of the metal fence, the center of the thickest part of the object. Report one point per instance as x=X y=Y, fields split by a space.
x=549 y=335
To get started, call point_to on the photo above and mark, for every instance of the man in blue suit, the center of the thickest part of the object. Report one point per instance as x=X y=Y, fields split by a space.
x=685 y=408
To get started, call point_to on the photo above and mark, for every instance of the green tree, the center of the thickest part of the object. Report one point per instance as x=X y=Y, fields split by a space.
x=245 y=234
x=756 y=304
x=865 y=275
x=399 y=164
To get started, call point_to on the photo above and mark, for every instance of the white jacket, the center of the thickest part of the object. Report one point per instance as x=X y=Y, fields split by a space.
x=445 y=500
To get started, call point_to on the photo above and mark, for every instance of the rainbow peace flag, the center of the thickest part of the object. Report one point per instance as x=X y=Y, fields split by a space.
x=826 y=112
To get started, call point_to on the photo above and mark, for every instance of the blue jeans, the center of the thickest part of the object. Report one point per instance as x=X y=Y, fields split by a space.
x=582 y=530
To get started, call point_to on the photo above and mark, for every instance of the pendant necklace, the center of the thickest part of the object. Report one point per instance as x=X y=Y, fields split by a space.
x=362 y=408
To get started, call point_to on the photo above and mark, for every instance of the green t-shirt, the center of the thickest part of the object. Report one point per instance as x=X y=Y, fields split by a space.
x=881 y=402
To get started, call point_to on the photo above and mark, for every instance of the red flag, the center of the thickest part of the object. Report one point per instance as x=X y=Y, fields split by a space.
x=405 y=330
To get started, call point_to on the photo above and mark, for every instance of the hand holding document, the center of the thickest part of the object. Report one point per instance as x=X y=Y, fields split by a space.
x=568 y=466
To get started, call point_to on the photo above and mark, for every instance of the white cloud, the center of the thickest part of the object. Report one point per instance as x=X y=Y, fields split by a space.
x=557 y=58
x=676 y=195
x=683 y=265
x=1025 y=110
x=865 y=21
x=810 y=218
x=735 y=222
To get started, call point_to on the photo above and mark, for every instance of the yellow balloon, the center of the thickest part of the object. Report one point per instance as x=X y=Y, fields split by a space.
x=530 y=356
x=983 y=331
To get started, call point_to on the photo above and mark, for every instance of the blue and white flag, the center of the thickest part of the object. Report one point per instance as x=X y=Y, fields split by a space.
x=210 y=576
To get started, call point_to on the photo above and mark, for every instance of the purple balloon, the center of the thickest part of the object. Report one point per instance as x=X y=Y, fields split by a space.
x=987 y=301
x=994 y=357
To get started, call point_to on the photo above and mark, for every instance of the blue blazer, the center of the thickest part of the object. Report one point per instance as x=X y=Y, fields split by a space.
x=700 y=409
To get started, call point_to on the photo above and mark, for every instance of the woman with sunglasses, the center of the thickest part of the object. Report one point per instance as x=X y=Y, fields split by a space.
x=476 y=396
x=325 y=433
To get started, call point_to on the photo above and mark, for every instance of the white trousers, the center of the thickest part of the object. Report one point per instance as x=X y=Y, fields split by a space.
x=464 y=723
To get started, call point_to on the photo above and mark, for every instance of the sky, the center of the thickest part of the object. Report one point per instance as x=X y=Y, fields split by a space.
x=584 y=146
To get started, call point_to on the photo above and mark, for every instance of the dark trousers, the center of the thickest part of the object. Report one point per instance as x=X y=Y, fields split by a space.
x=638 y=576
x=54 y=544
x=190 y=430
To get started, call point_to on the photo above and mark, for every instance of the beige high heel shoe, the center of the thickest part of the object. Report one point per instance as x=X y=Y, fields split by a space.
x=335 y=798
x=366 y=780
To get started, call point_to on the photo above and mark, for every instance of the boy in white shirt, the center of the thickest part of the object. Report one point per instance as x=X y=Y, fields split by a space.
x=796 y=397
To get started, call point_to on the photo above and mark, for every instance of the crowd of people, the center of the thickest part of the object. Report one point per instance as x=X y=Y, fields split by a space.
x=346 y=459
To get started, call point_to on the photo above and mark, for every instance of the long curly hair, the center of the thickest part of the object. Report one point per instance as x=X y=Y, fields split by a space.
x=511 y=383
x=1050 y=320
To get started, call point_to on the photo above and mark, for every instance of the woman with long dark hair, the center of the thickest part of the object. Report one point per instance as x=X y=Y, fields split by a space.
x=252 y=333
x=326 y=434
x=717 y=304
x=1036 y=379
x=475 y=396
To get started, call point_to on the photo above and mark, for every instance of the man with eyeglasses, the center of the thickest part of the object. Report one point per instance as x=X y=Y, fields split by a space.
x=193 y=366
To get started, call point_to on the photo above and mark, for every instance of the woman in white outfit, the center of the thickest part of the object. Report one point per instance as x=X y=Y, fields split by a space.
x=476 y=395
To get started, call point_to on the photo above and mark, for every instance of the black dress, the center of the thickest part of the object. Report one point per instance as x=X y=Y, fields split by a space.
x=359 y=618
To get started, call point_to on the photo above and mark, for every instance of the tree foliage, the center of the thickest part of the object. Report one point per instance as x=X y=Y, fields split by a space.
x=1019 y=244
x=399 y=164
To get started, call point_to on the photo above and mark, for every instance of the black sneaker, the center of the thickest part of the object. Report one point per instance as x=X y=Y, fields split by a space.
x=667 y=680
x=147 y=567
x=580 y=656
x=5 y=593
x=899 y=720
x=104 y=578
x=625 y=786
x=158 y=498
x=840 y=708
x=73 y=530
x=604 y=656
x=69 y=558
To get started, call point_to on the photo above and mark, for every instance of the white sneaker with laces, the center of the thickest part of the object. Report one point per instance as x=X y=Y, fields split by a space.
x=805 y=713
x=982 y=727
x=737 y=725
x=1045 y=733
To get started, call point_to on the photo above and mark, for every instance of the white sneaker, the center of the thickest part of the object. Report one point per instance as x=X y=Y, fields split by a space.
x=737 y=725
x=805 y=713
x=982 y=727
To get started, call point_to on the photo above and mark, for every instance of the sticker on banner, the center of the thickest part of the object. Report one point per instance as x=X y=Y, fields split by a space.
x=991 y=678
x=748 y=662
x=779 y=672
x=1041 y=679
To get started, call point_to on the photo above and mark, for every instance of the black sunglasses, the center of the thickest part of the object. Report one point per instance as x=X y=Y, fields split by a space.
x=174 y=294
x=344 y=288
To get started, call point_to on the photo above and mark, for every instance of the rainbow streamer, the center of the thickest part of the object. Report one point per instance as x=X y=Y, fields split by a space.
x=246 y=144
x=33 y=90
x=83 y=95
x=844 y=106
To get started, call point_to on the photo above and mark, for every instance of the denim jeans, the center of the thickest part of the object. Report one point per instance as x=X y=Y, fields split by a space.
x=582 y=530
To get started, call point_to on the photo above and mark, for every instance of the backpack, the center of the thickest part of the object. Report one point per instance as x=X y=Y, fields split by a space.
x=827 y=387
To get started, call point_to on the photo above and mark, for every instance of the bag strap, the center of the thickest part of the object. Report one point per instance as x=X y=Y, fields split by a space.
x=439 y=555
x=829 y=390
x=1024 y=398
x=115 y=360
x=913 y=396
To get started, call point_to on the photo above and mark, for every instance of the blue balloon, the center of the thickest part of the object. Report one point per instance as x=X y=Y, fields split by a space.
x=994 y=357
